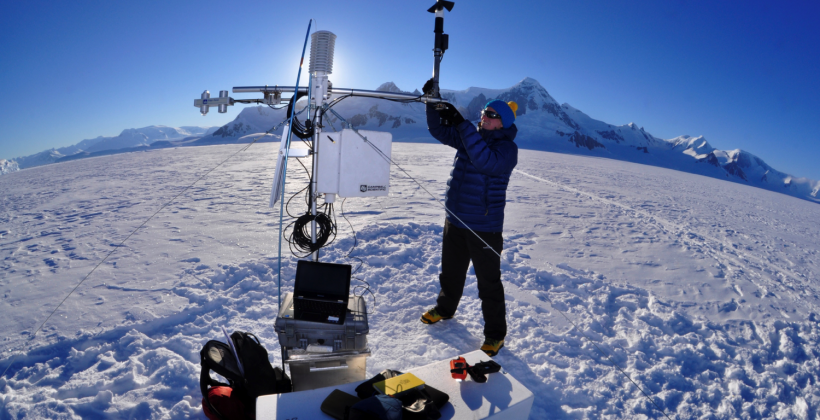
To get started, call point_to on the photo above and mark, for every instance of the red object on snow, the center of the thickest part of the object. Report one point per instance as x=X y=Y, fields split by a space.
x=225 y=402
x=458 y=368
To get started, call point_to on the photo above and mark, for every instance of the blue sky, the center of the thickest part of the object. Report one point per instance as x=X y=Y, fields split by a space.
x=743 y=74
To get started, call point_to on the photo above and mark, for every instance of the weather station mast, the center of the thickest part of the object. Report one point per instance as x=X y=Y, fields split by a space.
x=349 y=163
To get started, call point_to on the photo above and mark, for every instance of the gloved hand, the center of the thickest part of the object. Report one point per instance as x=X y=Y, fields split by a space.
x=450 y=115
x=427 y=89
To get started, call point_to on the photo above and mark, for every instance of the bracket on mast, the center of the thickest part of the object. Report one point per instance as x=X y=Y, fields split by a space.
x=205 y=102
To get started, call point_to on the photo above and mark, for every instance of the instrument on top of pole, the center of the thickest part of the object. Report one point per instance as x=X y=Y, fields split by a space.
x=442 y=41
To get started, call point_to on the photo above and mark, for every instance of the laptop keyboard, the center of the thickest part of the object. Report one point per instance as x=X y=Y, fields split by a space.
x=319 y=306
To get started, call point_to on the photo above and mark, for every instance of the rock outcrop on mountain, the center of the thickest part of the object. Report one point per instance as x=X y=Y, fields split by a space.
x=7 y=166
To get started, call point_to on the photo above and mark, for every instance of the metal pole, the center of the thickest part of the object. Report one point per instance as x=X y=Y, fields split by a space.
x=315 y=159
x=341 y=92
x=438 y=51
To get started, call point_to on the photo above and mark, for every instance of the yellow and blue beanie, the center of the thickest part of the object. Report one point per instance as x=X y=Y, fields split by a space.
x=505 y=109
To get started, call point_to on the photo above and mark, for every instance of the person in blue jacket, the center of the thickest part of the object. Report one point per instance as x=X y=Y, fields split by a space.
x=475 y=200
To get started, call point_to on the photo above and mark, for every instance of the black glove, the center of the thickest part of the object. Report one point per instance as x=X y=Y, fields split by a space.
x=450 y=115
x=479 y=371
x=427 y=89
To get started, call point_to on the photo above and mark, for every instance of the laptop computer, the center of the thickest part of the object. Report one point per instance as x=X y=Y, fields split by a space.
x=321 y=292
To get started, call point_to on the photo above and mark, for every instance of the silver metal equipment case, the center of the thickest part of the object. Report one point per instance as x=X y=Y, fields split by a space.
x=344 y=364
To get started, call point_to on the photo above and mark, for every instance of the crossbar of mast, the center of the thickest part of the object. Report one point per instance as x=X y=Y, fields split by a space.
x=340 y=91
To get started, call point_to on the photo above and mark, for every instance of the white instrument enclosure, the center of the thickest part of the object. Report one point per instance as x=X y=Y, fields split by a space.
x=350 y=167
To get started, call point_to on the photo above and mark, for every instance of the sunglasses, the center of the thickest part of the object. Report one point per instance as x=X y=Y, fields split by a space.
x=490 y=114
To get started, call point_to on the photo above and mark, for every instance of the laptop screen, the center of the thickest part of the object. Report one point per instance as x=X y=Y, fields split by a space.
x=330 y=281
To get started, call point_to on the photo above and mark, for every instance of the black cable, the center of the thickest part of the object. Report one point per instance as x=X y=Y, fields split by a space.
x=366 y=290
x=301 y=131
x=310 y=182
x=404 y=101
x=287 y=210
x=337 y=100
x=355 y=240
x=287 y=204
x=328 y=210
x=366 y=287
x=332 y=213
x=330 y=105
x=300 y=236
x=307 y=171
x=296 y=120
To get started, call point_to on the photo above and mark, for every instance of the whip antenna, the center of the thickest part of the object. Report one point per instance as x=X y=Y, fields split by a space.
x=442 y=40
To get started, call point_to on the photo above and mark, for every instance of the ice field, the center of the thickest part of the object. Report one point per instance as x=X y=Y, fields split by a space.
x=704 y=292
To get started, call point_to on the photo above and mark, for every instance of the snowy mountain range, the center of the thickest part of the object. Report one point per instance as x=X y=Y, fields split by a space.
x=129 y=139
x=543 y=124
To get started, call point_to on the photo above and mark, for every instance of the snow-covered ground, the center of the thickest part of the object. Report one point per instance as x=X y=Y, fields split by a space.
x=704 y=292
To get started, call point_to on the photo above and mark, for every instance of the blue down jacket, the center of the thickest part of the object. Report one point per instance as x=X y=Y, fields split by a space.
x=477 y=188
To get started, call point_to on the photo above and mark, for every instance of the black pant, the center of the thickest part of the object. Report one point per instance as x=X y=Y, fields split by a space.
x=459 y=247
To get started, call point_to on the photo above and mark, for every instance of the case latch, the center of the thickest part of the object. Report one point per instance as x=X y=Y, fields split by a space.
x=350 y=335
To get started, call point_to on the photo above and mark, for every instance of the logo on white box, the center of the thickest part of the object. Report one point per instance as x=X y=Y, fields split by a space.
x=371 y=188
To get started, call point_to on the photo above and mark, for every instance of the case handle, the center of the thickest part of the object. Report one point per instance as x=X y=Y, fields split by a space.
x=313 y=368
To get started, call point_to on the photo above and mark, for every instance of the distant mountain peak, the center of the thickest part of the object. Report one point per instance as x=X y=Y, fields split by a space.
x=528 y=81
x=698 y=144
x=389 y=87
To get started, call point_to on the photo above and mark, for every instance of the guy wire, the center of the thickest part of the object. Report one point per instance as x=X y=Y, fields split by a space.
x=361 y=263
x=132 y=233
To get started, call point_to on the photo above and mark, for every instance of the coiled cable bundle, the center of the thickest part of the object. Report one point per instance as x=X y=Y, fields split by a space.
x=300 y=237
x=301 y=131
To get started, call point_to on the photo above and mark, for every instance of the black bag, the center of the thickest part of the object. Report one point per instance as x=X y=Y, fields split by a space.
x=217 y=356
x=260 y=377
